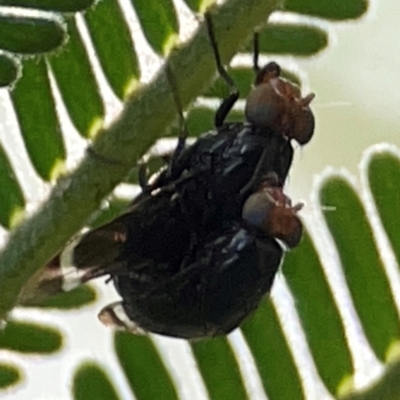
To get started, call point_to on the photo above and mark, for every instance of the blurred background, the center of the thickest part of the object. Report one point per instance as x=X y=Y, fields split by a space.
x=357 y=105
x=357 y=102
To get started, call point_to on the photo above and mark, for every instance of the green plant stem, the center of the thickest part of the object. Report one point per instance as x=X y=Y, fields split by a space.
x=145 y=116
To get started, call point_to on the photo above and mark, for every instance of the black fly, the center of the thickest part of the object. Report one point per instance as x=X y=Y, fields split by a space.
x=197 y=250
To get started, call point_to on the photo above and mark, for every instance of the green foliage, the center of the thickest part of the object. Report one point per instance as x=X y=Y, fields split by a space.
x=362 y=264
x=73 y=66
x=77 y=298
x=30 y=338
x=9 y=69
x=319 y=315
x=91 y=382
x=30 y=35
x=51 y=5
x=332 y=10
x=266 y=339
x=159 y=22
x=141 y=363
x=350 y=225
x=11 y=197
x=9 y=375
x=45 y=146
x=114 y=47
x=216 y=362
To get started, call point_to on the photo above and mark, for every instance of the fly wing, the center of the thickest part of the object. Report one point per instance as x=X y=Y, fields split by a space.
x=100 y=246
x=93 y=256
x=101 y=251
x=98 y=250
x=96 y=254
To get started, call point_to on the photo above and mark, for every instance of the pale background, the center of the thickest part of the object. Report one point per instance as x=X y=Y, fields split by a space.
x=358 y=104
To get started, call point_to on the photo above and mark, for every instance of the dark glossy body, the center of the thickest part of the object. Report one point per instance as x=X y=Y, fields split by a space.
x=202 y=196
x=223 y=168
x=221 y=284
x=185 y=264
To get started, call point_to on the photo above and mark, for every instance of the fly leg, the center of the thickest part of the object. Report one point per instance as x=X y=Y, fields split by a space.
x=170 y=157
x=256 y=53
x=263 y=167
x=227 y=104
x=142 y=177
x=183 y=133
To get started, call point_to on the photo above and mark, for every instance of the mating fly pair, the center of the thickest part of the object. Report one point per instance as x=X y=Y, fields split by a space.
x=197 y=251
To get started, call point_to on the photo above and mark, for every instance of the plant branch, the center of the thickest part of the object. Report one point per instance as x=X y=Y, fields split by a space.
x=145 y=116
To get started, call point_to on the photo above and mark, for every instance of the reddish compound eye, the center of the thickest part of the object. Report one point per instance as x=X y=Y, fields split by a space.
x=303 y=123
x=277 y=104
x=270 y=210
x=265 y=107
x=285 y=225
